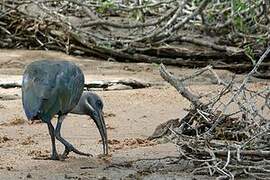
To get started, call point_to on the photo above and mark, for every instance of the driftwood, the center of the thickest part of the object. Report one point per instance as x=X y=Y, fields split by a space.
x=4 y=97
x=10 y=85
x=134 y=84
x=229 y=50
x=158 y=35
x=220 y=142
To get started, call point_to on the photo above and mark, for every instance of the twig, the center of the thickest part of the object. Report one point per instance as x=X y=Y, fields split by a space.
x=241 y=87
x=178 y=84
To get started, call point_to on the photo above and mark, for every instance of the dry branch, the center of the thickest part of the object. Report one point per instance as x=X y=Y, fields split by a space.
x=229 y=49
x=217 y=140
x=180 y=87
x=133 y=83
x=241 y=87
x=54 y=25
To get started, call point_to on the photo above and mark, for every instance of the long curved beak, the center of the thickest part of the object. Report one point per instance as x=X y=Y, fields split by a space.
x=102 y=130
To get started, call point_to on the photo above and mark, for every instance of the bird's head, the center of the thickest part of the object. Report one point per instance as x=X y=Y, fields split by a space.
x=94 y=108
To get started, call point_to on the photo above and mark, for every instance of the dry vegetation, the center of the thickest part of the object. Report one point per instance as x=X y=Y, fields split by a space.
x=183 y=33
x=225 y=133
x=226 y=138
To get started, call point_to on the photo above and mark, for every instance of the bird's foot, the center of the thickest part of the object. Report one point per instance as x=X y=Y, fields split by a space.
x=73 y=149
x=55 y=156
x=65 y=153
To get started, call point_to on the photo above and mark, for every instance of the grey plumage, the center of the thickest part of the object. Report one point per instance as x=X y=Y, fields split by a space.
x=52 y=88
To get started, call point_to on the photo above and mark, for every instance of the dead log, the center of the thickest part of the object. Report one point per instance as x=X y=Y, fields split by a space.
x=254 y=154
x=173 y=56
x=180 y=87
x=133 y=83
x=229 y=50
x=10 y=85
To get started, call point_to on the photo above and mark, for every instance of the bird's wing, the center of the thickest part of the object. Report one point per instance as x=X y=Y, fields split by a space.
x=71 y=85
x=38 y=88
x=50 y=88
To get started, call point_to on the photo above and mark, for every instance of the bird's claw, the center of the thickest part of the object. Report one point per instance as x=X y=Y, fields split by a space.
x=73 y=149
x=55 y=156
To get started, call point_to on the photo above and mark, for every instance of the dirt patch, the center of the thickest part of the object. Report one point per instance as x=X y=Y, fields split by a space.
x=105 y=158
x=14 y=122
x=129 y=143
x=107 y=115
x=39 y=155
x=4 y=97
x=11 y=64
x=28 y=141
x=4 y=139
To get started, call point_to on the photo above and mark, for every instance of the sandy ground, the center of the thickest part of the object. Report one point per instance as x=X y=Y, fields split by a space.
x=131 y=116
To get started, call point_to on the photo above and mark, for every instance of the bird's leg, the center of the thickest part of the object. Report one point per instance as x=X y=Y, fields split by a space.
x=68 y=147
x=51 y=132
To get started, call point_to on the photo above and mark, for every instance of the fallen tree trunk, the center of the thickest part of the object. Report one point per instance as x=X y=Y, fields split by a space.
x=195 y=60
x=133 y=83
x=70 y=26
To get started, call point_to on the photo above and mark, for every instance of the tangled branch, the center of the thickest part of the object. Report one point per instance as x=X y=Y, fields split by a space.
x=226 y=134
x=128 y=31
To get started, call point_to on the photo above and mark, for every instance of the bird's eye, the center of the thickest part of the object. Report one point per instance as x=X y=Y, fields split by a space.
x=99 y=103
